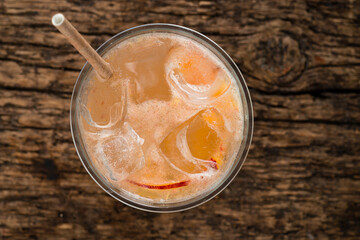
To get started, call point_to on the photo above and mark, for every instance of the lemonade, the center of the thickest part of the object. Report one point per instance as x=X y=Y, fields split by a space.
x=167 y=126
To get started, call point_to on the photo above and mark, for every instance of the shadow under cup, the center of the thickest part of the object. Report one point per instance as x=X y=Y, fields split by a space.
x=227 y=176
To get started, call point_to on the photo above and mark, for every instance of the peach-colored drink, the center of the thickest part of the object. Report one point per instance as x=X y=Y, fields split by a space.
x=168 y=125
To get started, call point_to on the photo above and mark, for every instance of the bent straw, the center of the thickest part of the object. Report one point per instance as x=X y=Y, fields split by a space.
x=74 y=37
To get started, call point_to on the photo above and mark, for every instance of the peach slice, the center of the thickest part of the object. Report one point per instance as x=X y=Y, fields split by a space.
x=203 y=134
x=171 y=151
x=158 y=173
x=197 y=144
x=194 y=66
x=195 y=75
x=162 y=186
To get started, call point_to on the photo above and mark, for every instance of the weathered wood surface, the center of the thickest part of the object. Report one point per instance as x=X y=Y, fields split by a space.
x=301 y=60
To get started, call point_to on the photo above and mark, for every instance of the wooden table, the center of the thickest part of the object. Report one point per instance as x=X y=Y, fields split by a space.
x=301 y=60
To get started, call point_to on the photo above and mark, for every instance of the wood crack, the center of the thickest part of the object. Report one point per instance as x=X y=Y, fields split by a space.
x=310 y=121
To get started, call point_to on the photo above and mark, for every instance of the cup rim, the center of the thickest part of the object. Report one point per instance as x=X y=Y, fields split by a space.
x=247 y=108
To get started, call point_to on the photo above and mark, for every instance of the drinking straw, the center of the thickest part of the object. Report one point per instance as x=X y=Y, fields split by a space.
x=74 y=37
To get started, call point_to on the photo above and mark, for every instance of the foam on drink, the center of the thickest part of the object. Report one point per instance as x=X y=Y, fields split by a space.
x=170 y=94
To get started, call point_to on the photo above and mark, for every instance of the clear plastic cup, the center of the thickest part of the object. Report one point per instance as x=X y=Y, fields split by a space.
x=223 y=181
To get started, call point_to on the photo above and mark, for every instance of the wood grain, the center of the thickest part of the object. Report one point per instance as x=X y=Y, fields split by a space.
x=301 y=60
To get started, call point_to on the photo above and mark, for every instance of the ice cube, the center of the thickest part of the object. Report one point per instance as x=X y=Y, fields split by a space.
x=198 y=144
x=116 y=115
x=146 y=65
x=121 y=152
x=195 y=76
x=113 y=115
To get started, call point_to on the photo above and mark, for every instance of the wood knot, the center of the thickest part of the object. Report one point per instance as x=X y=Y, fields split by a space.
x=276 y=59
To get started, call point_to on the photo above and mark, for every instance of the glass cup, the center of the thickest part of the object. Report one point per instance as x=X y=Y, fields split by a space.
x=224 y=180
